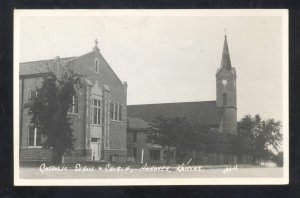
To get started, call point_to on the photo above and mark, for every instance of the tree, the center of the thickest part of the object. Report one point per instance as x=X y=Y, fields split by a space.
x=187 y=137
x=175 y=132
x=49 y=110
x=259 y=137
x=278 y=159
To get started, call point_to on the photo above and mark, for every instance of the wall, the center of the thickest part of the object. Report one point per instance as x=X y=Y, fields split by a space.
x=140 y=144
x=85 y=65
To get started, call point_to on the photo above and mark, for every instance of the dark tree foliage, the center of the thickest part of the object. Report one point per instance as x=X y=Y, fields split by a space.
x=186 y=137
x=278 y=159
x=168 y=133
x=49 y=110
x=255 y=137
x=258 y=138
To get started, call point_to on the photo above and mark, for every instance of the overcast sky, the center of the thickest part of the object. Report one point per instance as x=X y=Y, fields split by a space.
x=171 y=58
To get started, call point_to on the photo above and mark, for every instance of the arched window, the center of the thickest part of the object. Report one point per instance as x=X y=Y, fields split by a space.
x=97 y=66
x=224 y=99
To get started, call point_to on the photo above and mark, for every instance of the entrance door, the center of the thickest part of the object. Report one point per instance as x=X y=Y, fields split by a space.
x=95 y=146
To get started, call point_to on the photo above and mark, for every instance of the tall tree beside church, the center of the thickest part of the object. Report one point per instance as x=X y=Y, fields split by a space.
x=49 y=110
x=176 y=132
x=187 y=137
x=260 y=137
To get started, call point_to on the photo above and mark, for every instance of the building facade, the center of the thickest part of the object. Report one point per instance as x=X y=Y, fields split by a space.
x=98 y=113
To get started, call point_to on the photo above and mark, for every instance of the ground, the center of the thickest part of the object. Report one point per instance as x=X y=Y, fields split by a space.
x=115 y=172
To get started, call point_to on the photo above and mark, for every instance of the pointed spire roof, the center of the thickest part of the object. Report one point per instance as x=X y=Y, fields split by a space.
x=225 y=56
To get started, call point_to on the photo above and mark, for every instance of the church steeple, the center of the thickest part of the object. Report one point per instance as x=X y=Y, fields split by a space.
x=225 y=62
x=226 y=92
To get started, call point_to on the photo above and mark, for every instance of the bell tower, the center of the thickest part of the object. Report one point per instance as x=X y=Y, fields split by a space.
x=226 y=92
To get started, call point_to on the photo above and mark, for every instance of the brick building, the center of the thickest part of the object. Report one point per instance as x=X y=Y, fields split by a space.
x=98 y=113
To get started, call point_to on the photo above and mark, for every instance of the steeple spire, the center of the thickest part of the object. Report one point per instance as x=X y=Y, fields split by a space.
x=225 y=55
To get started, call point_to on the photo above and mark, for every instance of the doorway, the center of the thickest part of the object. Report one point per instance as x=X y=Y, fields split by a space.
x=95 y=146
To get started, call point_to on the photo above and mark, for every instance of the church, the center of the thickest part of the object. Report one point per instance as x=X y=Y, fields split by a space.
x=105 y=127
x=220 y=114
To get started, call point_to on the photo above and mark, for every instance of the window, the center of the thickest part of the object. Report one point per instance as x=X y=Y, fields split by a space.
x=134 y=137
x=32 y=97
x=112 y=111
x=74 y=105
x=32 y=94
x=96 y=108
x=95 y=139
x=35 y=137
x=224 y=99
x=120 y=113
x=134 y=153
x=154 y=154
x=115 y=112
x=97 y=66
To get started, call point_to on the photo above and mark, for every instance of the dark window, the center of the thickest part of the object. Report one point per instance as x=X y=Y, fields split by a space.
x=134 y=153
x=32 y=94
x=116 y=112
x=134 y=137
x=96 y=106
x=38 y=138
x=154 y=154
x=31 y=136
x=95 y=139
x=112 y=111
x=35 y=137
x=224 y=99
x=74 y=105
x=120 y=113
x=97 y=66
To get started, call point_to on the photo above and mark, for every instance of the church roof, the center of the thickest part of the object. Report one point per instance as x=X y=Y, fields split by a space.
x=137 y=123
x=204 y=113
x=225 y=62
x=39 y=67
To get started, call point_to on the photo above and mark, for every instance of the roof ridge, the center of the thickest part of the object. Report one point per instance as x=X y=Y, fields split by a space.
x=173 y=102
x=46 y=60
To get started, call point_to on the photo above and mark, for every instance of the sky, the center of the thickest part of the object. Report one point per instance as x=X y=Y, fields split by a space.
x=171 y=58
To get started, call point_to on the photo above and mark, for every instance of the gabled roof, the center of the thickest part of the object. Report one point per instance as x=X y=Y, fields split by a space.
x=137 y=124
x=38 y=67
x=204 y=113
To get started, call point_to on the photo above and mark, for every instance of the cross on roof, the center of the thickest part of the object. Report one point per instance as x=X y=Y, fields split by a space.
x=96 y=48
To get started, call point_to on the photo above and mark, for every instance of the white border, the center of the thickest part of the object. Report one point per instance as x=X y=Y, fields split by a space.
x=148 y=181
